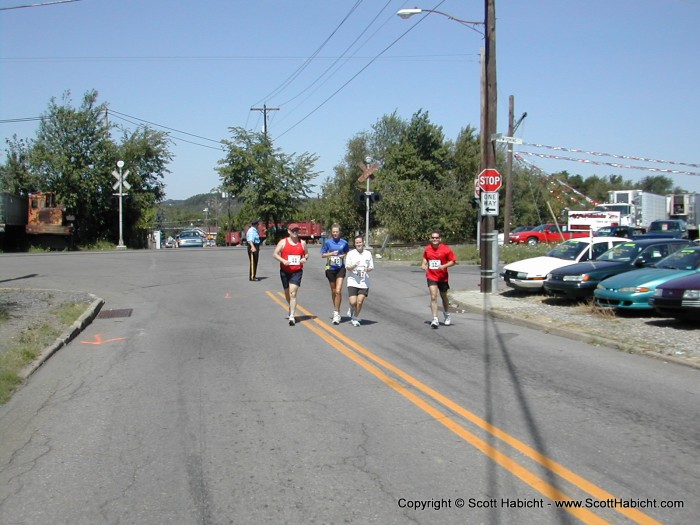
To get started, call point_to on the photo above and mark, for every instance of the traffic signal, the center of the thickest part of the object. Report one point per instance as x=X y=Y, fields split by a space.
x=375 y=197
x=360 y=197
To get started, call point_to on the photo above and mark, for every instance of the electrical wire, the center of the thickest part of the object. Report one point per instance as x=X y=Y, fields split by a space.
x=342 y=55
x=308 y=61
x=42 y=4
x=162 y=126
x=332 y=95
x=174 y=138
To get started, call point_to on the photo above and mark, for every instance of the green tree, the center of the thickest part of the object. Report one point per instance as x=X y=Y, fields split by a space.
x=659 y=184
x=74 y=155
x=16 y=175
x=269 y=182
x=338 y=202
x=413 y=181
x=146 y=155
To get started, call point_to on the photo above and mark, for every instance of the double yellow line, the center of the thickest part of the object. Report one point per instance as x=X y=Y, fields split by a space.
x=371 y=362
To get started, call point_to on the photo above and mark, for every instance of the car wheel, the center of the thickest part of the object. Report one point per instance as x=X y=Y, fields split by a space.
x=532 y=241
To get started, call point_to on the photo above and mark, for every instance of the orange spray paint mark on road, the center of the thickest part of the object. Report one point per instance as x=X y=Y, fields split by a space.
x=98 y=340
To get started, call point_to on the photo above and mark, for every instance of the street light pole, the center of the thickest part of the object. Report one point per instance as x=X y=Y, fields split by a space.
x=488 y=129
x=120 y=182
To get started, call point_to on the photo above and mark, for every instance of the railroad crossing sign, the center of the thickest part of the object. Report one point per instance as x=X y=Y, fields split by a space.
x=367 y=171
x=489 y=203
x=121 y=180
x=489 y=180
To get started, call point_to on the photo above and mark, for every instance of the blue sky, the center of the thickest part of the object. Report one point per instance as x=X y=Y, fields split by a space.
x=616 y=77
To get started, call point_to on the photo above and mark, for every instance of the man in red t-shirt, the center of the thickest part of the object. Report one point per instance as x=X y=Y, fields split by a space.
x=437 y=258
x=292 y=253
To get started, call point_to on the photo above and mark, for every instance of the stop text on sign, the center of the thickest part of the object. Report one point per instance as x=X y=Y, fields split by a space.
x=489 y=180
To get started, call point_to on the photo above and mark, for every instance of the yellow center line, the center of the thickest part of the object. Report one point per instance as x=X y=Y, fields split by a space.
x=341 y=343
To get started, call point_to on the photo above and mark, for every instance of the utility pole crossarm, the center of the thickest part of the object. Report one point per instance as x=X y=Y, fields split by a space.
x=264 y=110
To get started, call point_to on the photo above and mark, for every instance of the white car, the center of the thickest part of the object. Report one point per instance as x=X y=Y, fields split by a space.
x=530 y=274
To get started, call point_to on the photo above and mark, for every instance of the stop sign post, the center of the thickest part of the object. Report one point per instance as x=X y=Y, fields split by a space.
x=489 y=180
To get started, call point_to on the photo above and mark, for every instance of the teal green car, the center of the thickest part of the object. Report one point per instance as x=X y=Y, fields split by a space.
x=632 y=290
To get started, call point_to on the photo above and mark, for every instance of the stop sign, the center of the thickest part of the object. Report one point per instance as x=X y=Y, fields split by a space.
x=489 y=180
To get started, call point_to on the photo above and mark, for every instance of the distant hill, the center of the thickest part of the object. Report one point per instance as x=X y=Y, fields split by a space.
x=178 y=213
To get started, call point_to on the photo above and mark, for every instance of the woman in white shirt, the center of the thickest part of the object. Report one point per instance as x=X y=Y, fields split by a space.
x=358 y=263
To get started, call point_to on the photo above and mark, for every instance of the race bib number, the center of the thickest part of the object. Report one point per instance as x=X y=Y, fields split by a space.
x=434 y=264
x=361 y=272
x=335 y=260
x=294 y=260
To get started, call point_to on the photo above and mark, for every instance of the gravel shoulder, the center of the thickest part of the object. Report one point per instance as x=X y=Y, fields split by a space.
x=634 y=332
x=27 y=308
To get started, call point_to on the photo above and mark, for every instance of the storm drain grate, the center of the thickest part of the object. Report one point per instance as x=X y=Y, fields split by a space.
x=111 y=314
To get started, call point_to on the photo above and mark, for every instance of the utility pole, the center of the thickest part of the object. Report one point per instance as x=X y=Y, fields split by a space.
x=512 y=126
x=488 y=153
x=264 y=110
x=509 y=171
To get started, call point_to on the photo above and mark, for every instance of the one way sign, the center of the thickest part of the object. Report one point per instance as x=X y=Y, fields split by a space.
x=489 y=203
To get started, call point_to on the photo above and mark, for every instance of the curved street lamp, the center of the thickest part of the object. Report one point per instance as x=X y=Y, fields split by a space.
x=408 y=13
x=489 y=241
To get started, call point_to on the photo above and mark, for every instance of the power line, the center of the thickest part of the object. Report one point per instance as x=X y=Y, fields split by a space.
x=318 y=83
x=164 y=127
x=42 y=4
x=308 y=61
x=342 y=55
x=28 y=119
x=351 y=79
x=177 y=139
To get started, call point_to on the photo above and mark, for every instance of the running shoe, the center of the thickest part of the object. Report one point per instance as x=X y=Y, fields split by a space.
x=350 y=312
x=434 y=323
x=336 y=318
x=292 y=321
x=448 y=320
x=355 y=322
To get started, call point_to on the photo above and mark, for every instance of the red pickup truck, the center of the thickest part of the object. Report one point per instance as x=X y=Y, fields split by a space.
x=546 y=233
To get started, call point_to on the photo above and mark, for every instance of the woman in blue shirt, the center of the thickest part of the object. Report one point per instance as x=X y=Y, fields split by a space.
x=334 y=251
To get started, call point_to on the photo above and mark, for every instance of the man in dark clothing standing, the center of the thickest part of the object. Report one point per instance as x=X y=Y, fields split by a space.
x=252 y=238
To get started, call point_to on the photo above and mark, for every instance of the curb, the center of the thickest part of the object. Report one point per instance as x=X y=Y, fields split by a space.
x=569 y=334
x=71 y=332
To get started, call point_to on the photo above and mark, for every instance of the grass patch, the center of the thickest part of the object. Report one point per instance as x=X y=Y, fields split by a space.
x=30 y=343
x=99 y=246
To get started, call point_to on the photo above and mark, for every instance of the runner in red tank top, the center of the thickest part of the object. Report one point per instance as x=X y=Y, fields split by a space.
x=292 y=253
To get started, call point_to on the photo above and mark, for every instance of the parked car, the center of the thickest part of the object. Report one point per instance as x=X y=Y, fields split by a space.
x=632 y=290
x=169 y=242
x=529 y=274
x=668 y=228
x=580 y=280
x=190 y=238
x=517 y=229
x=618 y=231
x=548 y=233
x=679 y=298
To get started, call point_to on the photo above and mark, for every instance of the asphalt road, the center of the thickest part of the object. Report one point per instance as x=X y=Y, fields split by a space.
x=203 y=406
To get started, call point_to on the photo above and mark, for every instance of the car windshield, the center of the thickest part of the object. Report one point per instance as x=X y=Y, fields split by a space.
x=603 y=232
x=664 y=226
x=686 y=259
x=622 y=252
x=522 y=229
x=188 y=234
x=568 y=250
